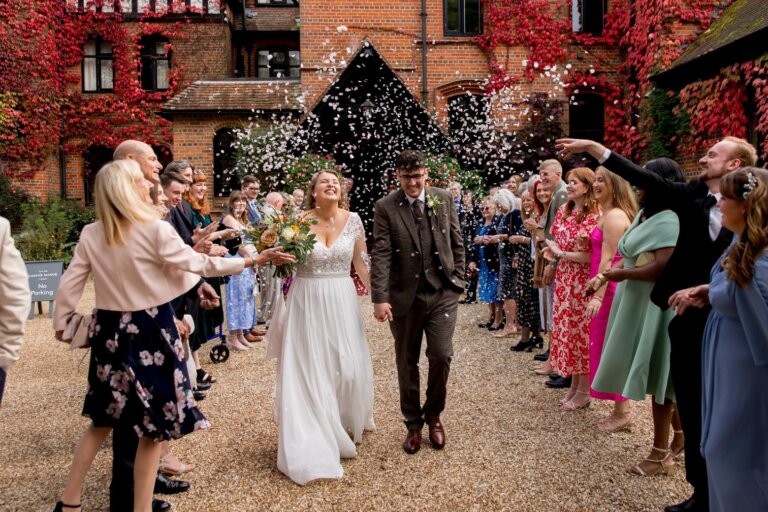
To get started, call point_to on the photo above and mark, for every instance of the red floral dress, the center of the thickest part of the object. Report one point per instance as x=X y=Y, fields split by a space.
x=569 y=347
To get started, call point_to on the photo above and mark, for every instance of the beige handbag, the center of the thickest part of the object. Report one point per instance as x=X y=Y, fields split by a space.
x=76 y=331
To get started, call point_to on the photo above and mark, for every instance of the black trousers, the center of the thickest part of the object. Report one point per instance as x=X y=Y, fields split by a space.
x=125 y=443
x=2 y=384
x=685 y=334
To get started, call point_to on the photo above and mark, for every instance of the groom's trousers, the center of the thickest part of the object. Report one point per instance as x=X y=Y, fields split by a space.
x=433 y=314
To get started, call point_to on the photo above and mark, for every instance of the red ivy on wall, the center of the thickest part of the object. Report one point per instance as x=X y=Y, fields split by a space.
x=43 y=101
x=651 y=37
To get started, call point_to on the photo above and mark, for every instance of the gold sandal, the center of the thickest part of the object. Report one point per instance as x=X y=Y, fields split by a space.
x=667 y=468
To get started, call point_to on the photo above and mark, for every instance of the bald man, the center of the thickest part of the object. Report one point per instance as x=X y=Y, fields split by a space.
x=144 y=155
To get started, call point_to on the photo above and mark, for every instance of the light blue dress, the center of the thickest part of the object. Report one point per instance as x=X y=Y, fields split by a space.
x=734 y=436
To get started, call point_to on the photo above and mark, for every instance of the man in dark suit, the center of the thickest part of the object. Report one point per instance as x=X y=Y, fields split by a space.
x=417 y=275
x=702 y=240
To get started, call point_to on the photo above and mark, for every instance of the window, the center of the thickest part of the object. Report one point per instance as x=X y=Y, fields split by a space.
x=225 y=179
x=586 y=115
x=468 y=117
x=462 y=17
x=278 y=63
x=589 y=16
x=97 y=66
x=155 y=63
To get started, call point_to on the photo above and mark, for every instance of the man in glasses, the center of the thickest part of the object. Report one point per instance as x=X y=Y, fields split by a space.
x=417 y=275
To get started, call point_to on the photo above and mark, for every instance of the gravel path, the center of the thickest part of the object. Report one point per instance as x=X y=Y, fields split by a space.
x=509 y=447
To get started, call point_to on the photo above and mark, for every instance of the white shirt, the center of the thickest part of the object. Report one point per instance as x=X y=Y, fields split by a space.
x=422 y=198
x=715 y=215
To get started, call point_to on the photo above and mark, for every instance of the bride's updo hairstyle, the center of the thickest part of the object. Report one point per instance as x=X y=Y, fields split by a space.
x=309 y=197
x=748 y=185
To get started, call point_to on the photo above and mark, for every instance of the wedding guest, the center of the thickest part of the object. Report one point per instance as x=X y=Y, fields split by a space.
x=526 y=295
x=551 y=172
x=136 y=375
x=636 y=352
x=541 y=200
x=734 y=442
x=468 y=219
x=618 y=206
x=702 y=241
x=569 y=254
x=511 y=223
x=270 y=287
x=144 y=155
x=513 y=184
x=251 y=186
x=14 y=301
x=298 y=199
x=454 y=188
x=239 y=288
x=486 y=264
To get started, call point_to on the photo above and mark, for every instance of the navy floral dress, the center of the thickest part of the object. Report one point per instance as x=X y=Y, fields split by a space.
x=137 y=376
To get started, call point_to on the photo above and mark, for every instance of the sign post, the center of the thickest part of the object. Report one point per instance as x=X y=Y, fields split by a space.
x=44 y=277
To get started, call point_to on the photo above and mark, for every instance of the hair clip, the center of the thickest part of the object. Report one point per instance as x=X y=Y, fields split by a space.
x=750 y=185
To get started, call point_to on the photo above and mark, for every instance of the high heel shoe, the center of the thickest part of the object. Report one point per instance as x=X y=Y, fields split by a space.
x=485 y=325
x=570 y=405
x=681 y=449
x=60 y=506
x=538 y=342
x=665 y=465
x=543 y=370
x=526 y=345
x=612 y=424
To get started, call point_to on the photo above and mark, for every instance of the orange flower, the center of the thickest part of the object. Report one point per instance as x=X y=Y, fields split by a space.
x=268 y=238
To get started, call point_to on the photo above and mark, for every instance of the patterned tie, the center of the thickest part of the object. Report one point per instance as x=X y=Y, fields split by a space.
x=416 y=209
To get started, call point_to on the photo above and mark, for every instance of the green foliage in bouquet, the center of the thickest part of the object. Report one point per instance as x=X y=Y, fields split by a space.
x=289 y=231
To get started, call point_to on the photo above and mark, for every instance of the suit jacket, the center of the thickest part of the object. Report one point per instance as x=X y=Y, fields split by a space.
x=395 y=245
x=14 y=297
x=153 y=267
x=695 y=252
x=181 y=220
x=559 y=198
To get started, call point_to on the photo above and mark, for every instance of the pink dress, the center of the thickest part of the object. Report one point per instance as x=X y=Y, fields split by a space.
x=569 y=348
x=599 y=323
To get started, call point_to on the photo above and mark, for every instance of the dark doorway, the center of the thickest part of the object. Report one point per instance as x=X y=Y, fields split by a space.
x=365 y=119
x=225 y=179
x=94 y=158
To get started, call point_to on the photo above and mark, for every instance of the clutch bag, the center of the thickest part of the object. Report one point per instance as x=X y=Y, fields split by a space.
x=645 y=258
x=76 y=331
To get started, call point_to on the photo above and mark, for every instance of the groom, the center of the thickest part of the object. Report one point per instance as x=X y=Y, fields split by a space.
x=417 y=275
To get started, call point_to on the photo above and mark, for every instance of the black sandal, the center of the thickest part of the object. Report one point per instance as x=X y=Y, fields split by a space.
x=60 y=506
x=203 y=376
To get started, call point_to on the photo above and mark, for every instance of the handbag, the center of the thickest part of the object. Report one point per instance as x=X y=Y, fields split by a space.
x=76 y=331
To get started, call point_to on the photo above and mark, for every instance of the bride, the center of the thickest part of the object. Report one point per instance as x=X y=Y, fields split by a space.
x=324 y=388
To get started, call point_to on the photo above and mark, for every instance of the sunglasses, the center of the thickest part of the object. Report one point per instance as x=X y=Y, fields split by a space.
x=486 y=208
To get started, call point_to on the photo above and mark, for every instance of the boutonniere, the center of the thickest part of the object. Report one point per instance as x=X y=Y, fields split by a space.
x=433 y=203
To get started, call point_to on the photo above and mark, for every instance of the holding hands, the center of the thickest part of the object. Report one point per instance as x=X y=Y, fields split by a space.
x=382 y=312
x=698 y=297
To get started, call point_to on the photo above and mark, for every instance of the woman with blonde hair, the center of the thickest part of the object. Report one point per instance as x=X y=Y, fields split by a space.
x=137 y=376
x=509 y=226
x=569 y=253
x=619 y=206
x=735 y=349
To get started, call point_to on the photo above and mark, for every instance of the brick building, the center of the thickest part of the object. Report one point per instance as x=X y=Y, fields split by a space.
x=241 y=60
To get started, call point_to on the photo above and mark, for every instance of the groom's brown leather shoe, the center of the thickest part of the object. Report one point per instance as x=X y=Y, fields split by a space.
x=436 y=434
x=412 y=441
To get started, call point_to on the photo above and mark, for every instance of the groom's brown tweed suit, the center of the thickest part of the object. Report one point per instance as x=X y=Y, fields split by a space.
x=418 y=268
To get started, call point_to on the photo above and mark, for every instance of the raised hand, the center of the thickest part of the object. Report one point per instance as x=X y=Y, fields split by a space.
x=201 y=233
x=566 y=148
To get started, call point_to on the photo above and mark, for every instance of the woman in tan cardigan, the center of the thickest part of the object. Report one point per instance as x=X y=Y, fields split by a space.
x=137 y=376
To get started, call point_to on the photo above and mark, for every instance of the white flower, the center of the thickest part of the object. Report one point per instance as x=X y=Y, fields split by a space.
x=111 y=345
x=146 y=357
x=287 y=234
x=159 y=358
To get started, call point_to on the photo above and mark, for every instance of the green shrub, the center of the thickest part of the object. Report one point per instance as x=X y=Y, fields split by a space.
x=11 y=201
x=51 y=230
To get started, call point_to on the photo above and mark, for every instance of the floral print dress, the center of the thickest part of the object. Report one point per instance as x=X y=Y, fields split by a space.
x=137 y=376
x=569 y=347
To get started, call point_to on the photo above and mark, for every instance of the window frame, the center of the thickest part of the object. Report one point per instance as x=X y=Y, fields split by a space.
x=98 y=57
x=462 y=29
x=288 y=67
x=153 y=58
x=579 y=4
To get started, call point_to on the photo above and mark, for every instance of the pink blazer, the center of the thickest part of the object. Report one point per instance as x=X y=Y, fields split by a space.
x=153 y=267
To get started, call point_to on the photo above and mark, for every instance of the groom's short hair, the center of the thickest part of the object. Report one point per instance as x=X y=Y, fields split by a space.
x=410 y=160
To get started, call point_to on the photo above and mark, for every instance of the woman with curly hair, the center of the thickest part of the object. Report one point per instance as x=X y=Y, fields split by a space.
x=734 y=436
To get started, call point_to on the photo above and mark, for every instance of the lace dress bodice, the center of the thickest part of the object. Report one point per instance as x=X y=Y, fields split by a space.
x=336 y=259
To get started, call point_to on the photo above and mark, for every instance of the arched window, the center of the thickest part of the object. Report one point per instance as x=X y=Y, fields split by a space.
x=468 y=117
x=586 y=114
x=155 y=63
x=278 y=62
x=225 y=179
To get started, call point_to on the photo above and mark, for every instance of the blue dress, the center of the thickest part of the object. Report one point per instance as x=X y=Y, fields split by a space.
x=734 y=436
x=488 y=278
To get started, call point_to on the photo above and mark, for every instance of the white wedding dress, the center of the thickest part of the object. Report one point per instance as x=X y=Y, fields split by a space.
x=324 y=387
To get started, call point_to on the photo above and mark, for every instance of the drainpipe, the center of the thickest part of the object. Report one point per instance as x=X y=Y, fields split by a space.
x=244 y=13
x=424 y=87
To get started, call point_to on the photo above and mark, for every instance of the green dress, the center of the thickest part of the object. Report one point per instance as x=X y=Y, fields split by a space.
x=635 y=359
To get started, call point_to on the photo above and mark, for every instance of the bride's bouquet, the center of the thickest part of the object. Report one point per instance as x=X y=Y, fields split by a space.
x=289 y=231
